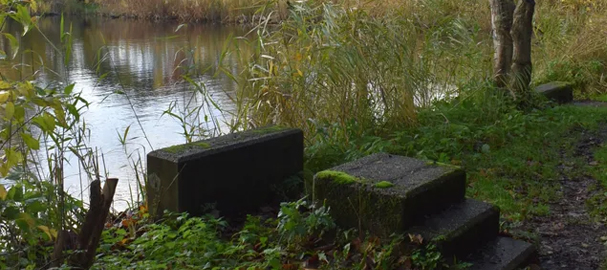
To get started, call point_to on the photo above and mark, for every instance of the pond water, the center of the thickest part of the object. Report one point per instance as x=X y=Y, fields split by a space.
x=138 y=78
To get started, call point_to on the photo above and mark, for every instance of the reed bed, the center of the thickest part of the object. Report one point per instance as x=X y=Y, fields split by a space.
x=346 y=71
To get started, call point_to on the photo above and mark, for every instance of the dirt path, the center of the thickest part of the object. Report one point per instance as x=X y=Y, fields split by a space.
x=569 y=237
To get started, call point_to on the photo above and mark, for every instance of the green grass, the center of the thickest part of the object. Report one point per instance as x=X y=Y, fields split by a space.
x=598 y=203
x=520 y=173
x=602 y=98
x=511 y=158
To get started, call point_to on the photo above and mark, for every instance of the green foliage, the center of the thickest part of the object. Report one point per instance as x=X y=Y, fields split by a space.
x=295 y=223
x=426 y=258
x=34 y=206
x=28 y=221
x=184 y=242
x=358 y=83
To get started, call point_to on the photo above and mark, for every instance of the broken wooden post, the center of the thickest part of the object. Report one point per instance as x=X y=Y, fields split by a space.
x=91 y=229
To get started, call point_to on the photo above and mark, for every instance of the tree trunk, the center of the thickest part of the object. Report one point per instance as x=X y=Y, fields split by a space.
x=522 y=29
x=501 y=23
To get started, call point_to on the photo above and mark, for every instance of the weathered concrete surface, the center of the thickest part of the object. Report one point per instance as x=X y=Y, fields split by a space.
x=460 y=228
x=418 y=188
x=503 y=253
x=235 y=173
x=561 y=92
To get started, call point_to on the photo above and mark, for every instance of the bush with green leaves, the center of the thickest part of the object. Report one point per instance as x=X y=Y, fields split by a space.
x=34 y=120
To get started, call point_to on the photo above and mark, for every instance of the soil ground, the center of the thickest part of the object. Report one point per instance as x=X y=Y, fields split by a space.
x=569 y=238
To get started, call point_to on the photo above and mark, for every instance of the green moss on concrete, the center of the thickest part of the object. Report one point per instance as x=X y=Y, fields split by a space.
x=337 y=177
x=384 y=184
x=562 y=84
x=443 y=164
x=175 y=149
x=270 y=129
x=358 y=205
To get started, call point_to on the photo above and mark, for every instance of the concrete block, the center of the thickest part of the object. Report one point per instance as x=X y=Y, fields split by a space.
x=561 y=92
x=503 y=253
x=235 y=173
x=461 y=228
x=385 y=193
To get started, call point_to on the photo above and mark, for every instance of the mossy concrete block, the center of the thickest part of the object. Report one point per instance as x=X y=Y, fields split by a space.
x=385 y=193
x=561 y=92
x=234 y=173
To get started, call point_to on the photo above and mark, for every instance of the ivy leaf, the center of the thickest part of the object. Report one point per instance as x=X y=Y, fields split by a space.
x=30 y=141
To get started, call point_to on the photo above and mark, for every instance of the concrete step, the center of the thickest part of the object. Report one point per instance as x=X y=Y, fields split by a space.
x=385 y=193
x=459 y=229
x=503 y=253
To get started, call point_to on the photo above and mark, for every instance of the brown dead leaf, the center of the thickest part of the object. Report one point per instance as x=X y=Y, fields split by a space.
x=416 y=239
x=290 y=266
x=312 y=263
x=357 y=244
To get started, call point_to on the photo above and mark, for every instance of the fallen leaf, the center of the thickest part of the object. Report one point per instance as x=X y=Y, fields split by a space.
x=312 y=262
x=416 y=239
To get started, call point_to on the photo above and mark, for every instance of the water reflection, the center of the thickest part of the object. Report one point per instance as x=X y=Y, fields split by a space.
x=127 y=70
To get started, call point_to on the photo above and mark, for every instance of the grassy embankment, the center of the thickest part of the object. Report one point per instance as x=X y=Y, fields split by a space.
x=360 y=82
